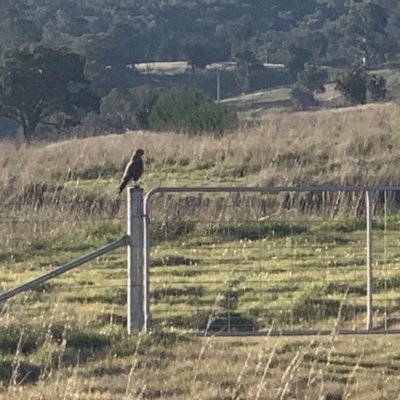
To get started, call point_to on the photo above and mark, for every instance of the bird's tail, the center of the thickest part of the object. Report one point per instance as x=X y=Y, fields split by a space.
x=124 y=182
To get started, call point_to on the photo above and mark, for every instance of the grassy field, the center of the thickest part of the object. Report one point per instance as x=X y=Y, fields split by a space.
x=254 y=106
x=68 y=336
x=234 y=263
x=348 y=145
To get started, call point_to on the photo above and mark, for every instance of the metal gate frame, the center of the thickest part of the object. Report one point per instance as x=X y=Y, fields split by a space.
x=368 y=190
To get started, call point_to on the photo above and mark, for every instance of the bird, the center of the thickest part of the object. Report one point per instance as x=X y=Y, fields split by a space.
x=133 y=170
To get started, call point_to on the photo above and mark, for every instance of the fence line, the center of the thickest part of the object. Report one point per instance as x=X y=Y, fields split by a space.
x=192 y=262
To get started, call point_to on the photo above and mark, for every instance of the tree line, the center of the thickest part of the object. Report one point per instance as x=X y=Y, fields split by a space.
x=110 y=37
x=119 y=33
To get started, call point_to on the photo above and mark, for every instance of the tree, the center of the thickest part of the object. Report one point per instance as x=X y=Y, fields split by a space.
x=63 y=28
x=15 y=32
x=377 y=87
x=302 y=98
x=365 y=32
x=39 y=85
x=298 y=57
x=353 y=85
x=357 y=84
x=189 y=111
x=198 y=52
x=240 y=32
x=118 y=109
x=313 y=78
x=11 y=9
x=145 y=108
x=111 y=57
x=242 y=75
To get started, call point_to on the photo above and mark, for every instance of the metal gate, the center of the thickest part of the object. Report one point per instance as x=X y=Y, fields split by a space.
x=278 y=260
x=225 y=261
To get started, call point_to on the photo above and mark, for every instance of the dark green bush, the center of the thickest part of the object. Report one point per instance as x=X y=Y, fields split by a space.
x=356 y=84
x=190 y=111
x=92 y=341
x=313 y=78
x=145 y=108
x=353 y=85
x=302 y=98
x=377 y=87
x=25 y=373
x=13 y=338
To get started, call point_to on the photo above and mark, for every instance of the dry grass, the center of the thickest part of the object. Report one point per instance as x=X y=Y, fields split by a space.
x=315 y=368
x=345 y=146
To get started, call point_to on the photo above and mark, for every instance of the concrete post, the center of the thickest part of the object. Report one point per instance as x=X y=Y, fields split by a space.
x=135 y=260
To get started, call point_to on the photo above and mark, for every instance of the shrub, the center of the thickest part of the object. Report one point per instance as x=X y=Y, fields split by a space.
x=313 y=78
x=357 y=84
x=302 y=98
x=353 y=86
x=377 y=87
x=309 y=80
x=298 y=57
x=146 y=107
x=189 y=111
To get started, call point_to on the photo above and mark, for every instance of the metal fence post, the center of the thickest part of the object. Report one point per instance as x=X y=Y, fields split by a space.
x=146 y=269
x=135 y=260
x=369 y=206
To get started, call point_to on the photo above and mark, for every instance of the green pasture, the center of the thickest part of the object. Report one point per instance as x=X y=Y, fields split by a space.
x=286 y=275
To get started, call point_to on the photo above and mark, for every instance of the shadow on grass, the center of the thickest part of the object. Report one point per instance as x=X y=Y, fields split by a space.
x=323 y=232
x=22 y=373
x=13 y=338
x=27 y=340
x=201 y=320
x=161 y=294
x=305 y=311
x=187 y=273
x=313 y=309
x=172 y=261
x=111 y=318
x=228 y=322
x=76 y=347
x=117 y=296
x=95 y=172
x=87 y=341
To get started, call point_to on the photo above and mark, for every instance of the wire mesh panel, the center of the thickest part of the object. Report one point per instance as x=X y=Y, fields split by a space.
x=41 y=232
x=386 y=259
x=287 y=261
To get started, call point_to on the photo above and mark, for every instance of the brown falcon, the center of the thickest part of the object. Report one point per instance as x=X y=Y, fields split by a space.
x=133 y=170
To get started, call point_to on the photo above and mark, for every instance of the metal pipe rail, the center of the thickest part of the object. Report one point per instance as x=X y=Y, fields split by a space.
x=342 y=332
x=266 y=189
x=60 y=270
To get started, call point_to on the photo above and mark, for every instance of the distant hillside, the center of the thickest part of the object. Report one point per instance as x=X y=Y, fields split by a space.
x=128 y=46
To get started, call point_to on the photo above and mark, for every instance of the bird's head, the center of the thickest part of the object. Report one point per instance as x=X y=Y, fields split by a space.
x=139 y=152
